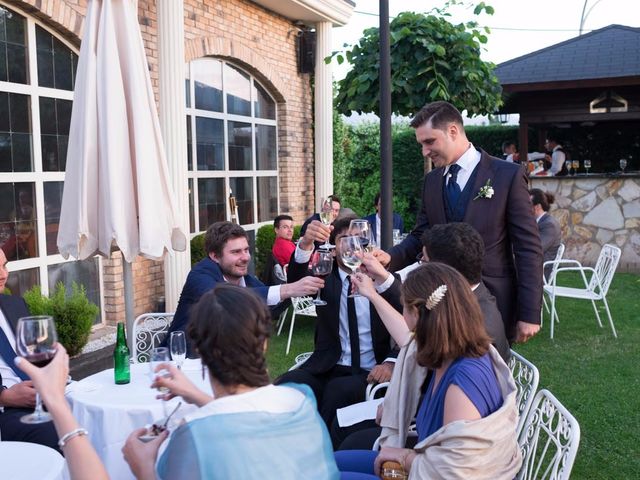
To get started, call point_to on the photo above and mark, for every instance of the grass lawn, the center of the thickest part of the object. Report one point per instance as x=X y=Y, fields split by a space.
x=593 y=374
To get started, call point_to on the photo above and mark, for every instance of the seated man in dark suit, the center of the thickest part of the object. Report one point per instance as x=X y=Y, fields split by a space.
x=17 y=395
x=374 y=220
x=337 y=373
x=228 y=260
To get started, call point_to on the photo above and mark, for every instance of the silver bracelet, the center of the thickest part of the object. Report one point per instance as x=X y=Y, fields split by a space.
x=68 y=436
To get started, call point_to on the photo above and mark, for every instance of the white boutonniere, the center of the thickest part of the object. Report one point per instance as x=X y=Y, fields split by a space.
x=486 y=191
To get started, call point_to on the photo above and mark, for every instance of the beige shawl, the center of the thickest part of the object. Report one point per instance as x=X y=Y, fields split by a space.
x=479 y=449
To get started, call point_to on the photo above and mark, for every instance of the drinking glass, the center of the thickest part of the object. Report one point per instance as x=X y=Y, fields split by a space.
x=396 y=236
x=159 y=355
x=623 y=164
x=362 y=230
x=587 y=165
x=576 y=166
x=178 y=346
x=321 y=264
x=351 y=254
x=326 y=216
x=36 y=338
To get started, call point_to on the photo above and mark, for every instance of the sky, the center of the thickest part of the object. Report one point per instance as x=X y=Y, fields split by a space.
x=517 y=27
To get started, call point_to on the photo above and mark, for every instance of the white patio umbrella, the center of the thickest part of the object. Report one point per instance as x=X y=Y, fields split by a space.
x=116 y=190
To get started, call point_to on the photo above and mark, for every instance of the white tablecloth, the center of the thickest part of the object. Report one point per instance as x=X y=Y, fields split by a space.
x=26 y=461
x=111 y=412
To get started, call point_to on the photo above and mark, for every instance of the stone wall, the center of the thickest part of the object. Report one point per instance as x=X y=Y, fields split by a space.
x=597 y=210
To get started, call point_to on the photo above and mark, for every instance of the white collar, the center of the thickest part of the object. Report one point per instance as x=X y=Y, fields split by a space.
x=468 y=159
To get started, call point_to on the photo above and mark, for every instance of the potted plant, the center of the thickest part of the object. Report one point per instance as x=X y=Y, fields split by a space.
x=73 y=314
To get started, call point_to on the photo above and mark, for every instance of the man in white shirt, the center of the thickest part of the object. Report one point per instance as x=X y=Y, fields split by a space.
x=558 y=157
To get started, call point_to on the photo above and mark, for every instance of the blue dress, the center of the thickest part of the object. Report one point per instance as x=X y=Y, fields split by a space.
x=475 y=377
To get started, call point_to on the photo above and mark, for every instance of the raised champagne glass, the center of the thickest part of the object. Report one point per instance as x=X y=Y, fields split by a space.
x=36 y=339
x=326 y=217
x=321 y=264
x=351 y=253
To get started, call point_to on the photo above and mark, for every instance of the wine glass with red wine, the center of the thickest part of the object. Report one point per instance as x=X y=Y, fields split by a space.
x=36 y=339
x=321 y=264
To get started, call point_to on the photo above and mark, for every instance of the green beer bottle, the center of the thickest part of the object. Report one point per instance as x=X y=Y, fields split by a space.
x=121 y=357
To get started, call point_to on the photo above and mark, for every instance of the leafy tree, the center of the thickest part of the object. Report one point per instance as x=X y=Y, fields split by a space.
x=431 y=59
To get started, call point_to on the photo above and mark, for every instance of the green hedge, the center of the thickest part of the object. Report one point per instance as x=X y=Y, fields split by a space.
x=197 y=249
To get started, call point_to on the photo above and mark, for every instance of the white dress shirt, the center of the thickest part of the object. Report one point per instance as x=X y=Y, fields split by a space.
x=273 y=294
x=467 y=162
x=9 y=377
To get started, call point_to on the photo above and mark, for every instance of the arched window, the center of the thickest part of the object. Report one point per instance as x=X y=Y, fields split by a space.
x=232 y=145
x=37 y=76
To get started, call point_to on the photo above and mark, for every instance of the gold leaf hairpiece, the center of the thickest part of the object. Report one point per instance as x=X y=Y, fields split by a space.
x=435 y=297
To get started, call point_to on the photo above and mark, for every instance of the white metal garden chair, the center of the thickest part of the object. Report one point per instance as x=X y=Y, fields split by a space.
x=554 y=264
x=526 y=376
x=149 y=330
x=300 y=359
x=548 y=441
x=594 y=289
x=299 y=306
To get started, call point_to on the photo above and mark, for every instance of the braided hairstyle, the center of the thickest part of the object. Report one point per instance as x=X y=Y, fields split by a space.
x=229 y=327
x=454 y=326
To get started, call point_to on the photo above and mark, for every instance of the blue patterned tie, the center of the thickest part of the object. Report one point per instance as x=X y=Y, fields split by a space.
x=8 y=354
x=452 y=188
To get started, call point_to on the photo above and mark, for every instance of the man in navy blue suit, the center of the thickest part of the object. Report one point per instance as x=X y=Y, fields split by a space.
x=228 y=260
x=467 y=185
x=374 y=220
x=17 y=395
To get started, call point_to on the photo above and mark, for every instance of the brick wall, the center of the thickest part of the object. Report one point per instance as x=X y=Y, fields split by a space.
x=242 y=32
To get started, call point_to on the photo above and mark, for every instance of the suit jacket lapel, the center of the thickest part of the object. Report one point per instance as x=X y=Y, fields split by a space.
x=9 y=315
x=476 y=207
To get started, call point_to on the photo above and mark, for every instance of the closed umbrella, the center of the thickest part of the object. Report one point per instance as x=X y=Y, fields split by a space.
x=116 y=189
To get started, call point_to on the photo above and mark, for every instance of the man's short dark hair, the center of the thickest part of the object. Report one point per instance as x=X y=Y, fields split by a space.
x=219 y=233
x=440 y=113
x=552 y=137
x=279 y=218
x=506 y=144
x=339 y=226
x=458 y=245
x=376 y=200
x=335 y=198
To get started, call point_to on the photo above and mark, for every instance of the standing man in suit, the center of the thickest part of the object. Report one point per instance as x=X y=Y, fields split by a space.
x=351 y=345
x=374 y=220
x=491 y=195
x=549 y=227
x=228 y=260
x=17 y=395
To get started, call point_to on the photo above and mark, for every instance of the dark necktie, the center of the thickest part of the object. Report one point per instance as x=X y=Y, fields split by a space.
x=354 y=337
x=452 y=188
x=8 y=354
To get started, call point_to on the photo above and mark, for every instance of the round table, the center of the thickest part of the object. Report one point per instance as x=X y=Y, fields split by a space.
x=26 y=461
x=111 y=412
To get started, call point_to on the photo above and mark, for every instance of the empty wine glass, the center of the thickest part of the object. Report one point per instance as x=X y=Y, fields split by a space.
x=178 y=347
x=362 y=230
x=36 y=339
x=351 y=254
x=159 y=355
x=623 y=164
x=321 y=264
x=326 y=216
x=587 y=165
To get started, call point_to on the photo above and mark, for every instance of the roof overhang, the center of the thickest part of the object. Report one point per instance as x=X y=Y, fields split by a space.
x=571 y=84
x=338 y=12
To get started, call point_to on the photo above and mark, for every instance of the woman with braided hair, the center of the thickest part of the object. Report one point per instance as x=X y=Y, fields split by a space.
x=450 y=378
x=251 y=429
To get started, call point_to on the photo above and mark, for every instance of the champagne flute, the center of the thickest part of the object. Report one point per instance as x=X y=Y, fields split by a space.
x=159 y=355
x=351 y=253
x=362 y=230
x=587 y=165
x=36 y=339
x=576 y=166
x=326 y=216
x=321 y=264
x=623 y=164
x=178 y=346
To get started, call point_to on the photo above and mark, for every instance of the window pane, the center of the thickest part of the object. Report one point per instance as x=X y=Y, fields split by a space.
x=84 y=273
x=266 y=147
x=238 y=90
x=189 y=145
x=22 y=280
x=13 y=50
x=207 y=78
x=210 y=143
x=242 y=189
x=16 y=63
x=192 y=215
x=62 y=61
x=267 y=198
x=15 y=133
x=55 y=118
x=52 y=204
x=264 y=106
x=56 y=62
x=211 y=207
x=239 y=146
x=18 y=229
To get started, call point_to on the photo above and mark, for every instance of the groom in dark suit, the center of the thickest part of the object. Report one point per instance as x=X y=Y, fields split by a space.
x=17 y=395
x=491 y=195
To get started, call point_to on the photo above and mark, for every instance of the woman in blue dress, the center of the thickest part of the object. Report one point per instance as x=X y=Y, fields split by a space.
x=251 y=429
x=466 y=419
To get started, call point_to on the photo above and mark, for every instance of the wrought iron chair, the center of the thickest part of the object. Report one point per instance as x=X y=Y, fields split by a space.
x=527 y=377
x=149 y=330
x=594 y=289
x=299 y=306
x=549 y=440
